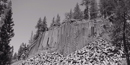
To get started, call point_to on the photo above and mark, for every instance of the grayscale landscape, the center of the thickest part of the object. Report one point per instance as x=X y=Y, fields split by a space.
x=64 y=32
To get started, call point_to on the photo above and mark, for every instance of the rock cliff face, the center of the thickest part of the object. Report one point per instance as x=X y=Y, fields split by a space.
x=69 y=37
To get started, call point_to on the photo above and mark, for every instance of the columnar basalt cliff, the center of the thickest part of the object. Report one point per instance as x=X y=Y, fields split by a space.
x=70 y=36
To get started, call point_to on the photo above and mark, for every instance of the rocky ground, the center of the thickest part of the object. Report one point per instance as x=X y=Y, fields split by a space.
x=99 y=52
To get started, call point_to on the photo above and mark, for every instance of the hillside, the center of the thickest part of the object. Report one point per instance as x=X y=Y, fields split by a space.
x=70 y=36
x=99 y=52
x=83 y=42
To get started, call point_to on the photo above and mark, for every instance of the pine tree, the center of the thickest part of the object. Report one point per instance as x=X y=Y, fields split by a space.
x=87 y=4
x=15 y=56
x=121 y=28
x=39 y=24
x=44 y=25
x=91 y=9
x=31 y=39
x=39 y=28
x=11 y=53
x=57 y=22
x=77 y=12
x=69 y=15
x=106 y=8
x=22 y=50
x=53 y=22
x=86 y=16
x=7 y=32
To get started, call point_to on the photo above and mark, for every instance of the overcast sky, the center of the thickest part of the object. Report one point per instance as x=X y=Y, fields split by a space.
x=27 y=12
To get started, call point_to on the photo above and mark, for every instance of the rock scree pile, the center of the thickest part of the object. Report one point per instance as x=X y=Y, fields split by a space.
x=98 y=52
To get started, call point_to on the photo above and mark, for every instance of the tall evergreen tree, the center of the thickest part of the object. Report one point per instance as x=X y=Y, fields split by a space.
x=77 y=12
x=15 y=56
x=69 y=15
x=91 y=9
x=39 y=24
x=57 y=22
x=44 y=25
x=86 y=16
x=11 y=53
x=39 y=27
x=7 y=32
x=121 y=28
x=31 y=39
x=87 y=4
x=22 y=50
x=107 y=9
x=53 y=22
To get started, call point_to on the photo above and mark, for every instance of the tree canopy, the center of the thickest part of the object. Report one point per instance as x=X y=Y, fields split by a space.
x=6 y=33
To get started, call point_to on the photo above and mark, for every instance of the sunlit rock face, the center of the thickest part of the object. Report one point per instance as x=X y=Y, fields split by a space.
x=68 y=37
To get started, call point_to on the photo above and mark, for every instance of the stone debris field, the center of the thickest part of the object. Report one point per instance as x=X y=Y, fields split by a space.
x=98 y=52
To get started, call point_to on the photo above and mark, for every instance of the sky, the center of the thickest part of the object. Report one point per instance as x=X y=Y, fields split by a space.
x=27 y=12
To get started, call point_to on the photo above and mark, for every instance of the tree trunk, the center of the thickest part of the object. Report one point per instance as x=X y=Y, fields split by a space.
x=124 y=42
